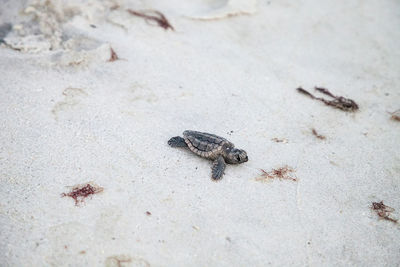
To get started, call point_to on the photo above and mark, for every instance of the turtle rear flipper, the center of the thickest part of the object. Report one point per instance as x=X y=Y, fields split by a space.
x=218 y=168
x=177 y=141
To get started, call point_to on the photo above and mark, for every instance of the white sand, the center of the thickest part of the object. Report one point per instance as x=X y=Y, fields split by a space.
x=69 y=117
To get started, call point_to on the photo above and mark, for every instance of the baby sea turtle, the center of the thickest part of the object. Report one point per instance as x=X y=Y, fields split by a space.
x=212 y=147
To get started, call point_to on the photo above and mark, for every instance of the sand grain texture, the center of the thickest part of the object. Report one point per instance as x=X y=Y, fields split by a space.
x=69 y=116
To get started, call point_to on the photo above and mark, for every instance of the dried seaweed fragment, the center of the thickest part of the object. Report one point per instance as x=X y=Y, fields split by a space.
x=315 y=133
x=395 y=115
x=383 y=211
x=279 y=140
x=125 y=260
x=339 y=102
x=156 y=16
x=82 y=191
x=118 y=260
x=303 y=91
x=280 y=173
x=113 y=55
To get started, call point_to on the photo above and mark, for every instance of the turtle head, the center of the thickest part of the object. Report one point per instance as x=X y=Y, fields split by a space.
x=235 y=156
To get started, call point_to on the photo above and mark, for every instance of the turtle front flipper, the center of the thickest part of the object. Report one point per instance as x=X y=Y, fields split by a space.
x=177 y=141
x=218 y=168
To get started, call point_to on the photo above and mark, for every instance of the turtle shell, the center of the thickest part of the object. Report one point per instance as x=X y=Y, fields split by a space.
x=204 y=144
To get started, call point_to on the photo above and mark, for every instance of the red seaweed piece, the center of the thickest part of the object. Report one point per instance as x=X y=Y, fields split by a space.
x=395 y=115
x=315 y=133
x=82 y=191
x=280 y=173
x=113 y=56
x=383 y=211
x=339 y=102
x=158 y=17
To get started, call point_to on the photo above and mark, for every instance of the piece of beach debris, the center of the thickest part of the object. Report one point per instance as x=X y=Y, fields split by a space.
x=148 y=213
x=113 y=56
x=395 y=115
x=339 y=102
x=118 y=261
x=315 y=133
x=153 y=15
x=280 y=173
x=82 y=191
x=279 y=140
x=383 y=211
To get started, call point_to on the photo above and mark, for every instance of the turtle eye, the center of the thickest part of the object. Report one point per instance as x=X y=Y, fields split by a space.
x=237 y=158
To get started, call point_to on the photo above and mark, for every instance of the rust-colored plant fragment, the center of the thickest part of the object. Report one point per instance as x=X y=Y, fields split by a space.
x=383 y=211
x=279 y=140
x=113 y=56
x=120 y=261
x=82 y=191
x=339 y=102
x=280 y=173
x=395 y=115
x=315 y=133
x=153 y=15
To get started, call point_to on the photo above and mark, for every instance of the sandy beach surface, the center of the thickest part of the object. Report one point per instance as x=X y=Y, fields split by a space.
x=74 y=113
